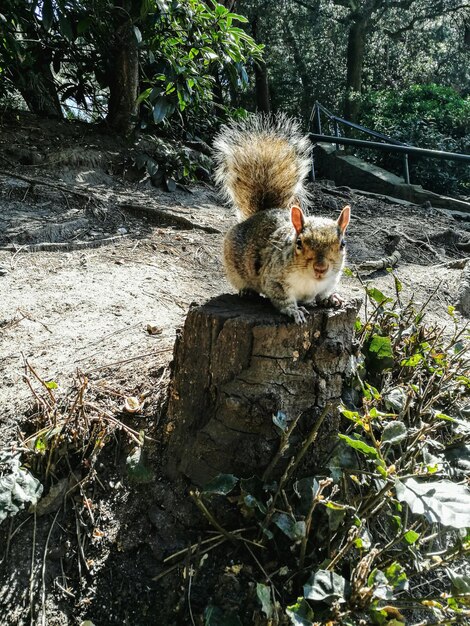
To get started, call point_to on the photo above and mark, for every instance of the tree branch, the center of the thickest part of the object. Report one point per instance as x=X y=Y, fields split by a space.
x=306 y=5
x=432 y=14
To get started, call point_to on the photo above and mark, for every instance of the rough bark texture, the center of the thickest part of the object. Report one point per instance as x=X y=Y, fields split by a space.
x=123 y=79
x=355 y=62
x=236 y=364
x=263 y=99
x=36 y=85
x=463 y=296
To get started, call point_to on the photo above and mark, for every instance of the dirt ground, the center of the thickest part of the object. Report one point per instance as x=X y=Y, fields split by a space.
x=89 y=257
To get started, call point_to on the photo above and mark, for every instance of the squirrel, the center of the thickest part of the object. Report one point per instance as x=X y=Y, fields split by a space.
x=276 y=250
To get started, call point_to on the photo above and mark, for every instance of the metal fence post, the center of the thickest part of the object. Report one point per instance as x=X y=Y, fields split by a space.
x=406 y=171
x=336 y=131
x=318 y=120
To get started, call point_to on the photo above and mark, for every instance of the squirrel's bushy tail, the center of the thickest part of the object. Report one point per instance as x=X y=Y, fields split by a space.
x=262 y=162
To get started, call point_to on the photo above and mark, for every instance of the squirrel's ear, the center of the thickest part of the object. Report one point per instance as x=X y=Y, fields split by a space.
x=297 y=219
x=343 y=219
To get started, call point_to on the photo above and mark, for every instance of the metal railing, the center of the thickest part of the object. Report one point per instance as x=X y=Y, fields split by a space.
x=387 y=144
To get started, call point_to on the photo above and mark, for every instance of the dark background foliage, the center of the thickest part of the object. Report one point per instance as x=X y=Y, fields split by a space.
x=399 y=66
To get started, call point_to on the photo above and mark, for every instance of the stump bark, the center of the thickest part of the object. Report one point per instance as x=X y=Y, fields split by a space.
x=237 y=363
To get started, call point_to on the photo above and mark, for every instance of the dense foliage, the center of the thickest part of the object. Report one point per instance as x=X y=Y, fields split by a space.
x=400 y=65
x=428 y=116
x=343 y=53
x=176 y=55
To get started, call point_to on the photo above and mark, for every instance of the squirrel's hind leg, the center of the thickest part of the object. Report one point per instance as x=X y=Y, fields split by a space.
x=247 y=292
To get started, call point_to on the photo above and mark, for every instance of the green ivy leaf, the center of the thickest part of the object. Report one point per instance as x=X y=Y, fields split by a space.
x=396 y=576
x=394 y=432
x=221 y=484
x=352 y=415
x=398 y=285
x=137 y=470
x=300 y=614
x=380 y=584
x=264 y=596
x=325 y=586
x=411 y=537
x=40 y=445
x=376 y=295
x=440 y=501
x=360 y=445
x=381 y=346
x=412 y=361
x=294 y=530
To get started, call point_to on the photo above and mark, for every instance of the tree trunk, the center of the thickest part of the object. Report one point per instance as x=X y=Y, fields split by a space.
x=355 y=62
x=466 y=33
x=37 y=86
x=307 y=96
x=236 y=364
x=123 y=79
x=263 y=100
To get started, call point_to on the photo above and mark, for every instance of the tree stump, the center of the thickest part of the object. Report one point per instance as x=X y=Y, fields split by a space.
x=237 y=363
x=463 y=295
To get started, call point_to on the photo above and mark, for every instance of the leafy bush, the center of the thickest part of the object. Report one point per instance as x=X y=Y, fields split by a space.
x=191 y=54
x=426 y=116
x=357 y=542
x=68 y=434
x=190 y=48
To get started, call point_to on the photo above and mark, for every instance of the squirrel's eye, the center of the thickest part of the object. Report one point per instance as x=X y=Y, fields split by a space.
x=298 y=243
x=342 y=244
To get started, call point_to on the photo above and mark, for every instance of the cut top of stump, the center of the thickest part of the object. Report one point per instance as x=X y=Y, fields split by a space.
x=237 y=363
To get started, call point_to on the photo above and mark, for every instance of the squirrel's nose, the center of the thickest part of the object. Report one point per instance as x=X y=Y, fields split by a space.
x=320 y=268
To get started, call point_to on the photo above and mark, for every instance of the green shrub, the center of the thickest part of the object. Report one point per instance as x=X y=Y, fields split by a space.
x=426 y=116
x=362 y=541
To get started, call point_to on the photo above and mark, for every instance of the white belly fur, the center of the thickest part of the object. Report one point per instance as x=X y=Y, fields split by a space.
x=304 y=287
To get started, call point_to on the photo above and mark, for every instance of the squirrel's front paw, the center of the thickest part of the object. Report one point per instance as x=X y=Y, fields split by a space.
x=299 y=314
x=332 y=301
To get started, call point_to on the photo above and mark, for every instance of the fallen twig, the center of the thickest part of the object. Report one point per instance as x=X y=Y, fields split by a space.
x=134 y=358
x=380 y=264
x=160 y=214
x=456 y=264
x=64 y=246
x=420 y=242
x=46 y=183
x=31 y=574
x=43 y=572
